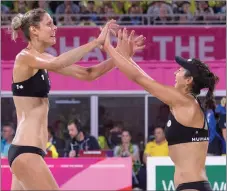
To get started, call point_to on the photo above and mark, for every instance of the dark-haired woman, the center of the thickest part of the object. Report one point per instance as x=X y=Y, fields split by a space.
x=186 y=129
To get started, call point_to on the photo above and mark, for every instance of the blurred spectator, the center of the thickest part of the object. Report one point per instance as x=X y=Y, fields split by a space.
x=222 y=125
x=90 y=12
x=157 y=8
x=121 y=7
x=44 y=5
x=102 y=139
x=216 y=141
x=4 y=9
x=221 y=110
x=58 y=143
x=114 y=138
x=158 y=147
x=51 y=150
x=61 y=9
x=54 y=4
x=203 y=8
x=127 y=149
x=186 y=16
x=109 y=12
x=133 y=19
x=86 y=20
x=218 y=6
x=5 y=18
x=8 y=133
x=69 y=9
x=91 y=8
x=204 y=12
x=164 y=15
x=8 y=4
x=20 y=7
x=59 y=127
x=79 y=140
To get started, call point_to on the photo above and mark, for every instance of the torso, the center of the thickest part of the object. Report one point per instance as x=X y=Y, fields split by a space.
x=188 y=142
x=30 y=89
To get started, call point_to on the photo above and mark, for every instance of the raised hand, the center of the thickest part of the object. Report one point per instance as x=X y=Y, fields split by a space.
x=127 y=45
x=111 y=25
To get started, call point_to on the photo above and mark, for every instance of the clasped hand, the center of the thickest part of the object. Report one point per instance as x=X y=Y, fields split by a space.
x=127 y=44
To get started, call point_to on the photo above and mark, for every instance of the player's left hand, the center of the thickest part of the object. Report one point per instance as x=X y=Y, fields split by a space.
x=127 y=45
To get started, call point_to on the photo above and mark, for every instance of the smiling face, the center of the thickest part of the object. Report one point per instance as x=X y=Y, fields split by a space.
x=46 y=31
x=181 y=81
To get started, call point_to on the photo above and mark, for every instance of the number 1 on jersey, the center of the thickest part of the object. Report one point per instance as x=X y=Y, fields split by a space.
x=42 y=76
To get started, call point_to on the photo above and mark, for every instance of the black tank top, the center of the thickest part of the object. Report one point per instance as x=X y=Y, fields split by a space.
x=36 y=86
x=177 y=133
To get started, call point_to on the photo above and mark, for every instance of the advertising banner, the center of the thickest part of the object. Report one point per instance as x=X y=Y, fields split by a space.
x=83 y=173
x=162 y=43
x=160 y=173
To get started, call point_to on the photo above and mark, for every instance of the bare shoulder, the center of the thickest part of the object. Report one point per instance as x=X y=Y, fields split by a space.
x=189 y=115
x=24 y=57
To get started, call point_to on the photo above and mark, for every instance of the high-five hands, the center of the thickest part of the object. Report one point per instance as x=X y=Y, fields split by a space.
x=127 y=45
x=110 y=26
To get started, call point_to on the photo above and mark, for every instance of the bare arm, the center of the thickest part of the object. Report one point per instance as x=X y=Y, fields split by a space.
x=94 y=72
x=87 y=73
x=166 y=94
x=65 y=59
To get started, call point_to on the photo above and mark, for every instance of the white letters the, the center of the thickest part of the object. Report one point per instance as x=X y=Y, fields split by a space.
x=96 y=53
x=203 y=49
x=64 y=48
x=190 y=48
x=163 y=41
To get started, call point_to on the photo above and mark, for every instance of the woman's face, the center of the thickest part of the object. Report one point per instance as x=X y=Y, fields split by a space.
x=46 y=31
x=181 y=80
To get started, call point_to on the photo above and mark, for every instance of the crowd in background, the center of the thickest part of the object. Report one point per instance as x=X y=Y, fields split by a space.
x=116 y=141
x=144 y=12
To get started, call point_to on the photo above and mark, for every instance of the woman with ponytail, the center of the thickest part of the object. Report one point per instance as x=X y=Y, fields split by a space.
x=187 y=130
x=30 y=88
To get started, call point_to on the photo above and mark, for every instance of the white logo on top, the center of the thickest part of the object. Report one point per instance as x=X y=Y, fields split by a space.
x=20 y=87
x=169 y=123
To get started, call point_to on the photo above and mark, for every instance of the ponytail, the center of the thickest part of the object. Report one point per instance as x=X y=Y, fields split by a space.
x=212 y=80
x=16 y=25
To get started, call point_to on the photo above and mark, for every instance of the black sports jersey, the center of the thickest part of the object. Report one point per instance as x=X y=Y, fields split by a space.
x=36 y=86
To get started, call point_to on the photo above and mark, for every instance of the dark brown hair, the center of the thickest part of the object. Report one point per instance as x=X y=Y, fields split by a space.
x=23 y=22
x=204 y=79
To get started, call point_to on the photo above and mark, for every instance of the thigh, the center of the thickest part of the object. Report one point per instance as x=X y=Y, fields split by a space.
x=16 y=185
x=33 y=173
